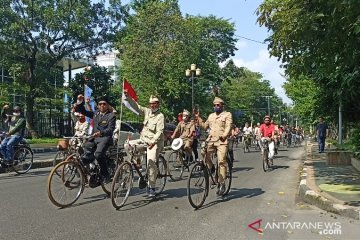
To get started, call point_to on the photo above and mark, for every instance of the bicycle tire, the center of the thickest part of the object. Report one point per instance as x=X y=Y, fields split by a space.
x=228 y=179
x=111 y=167
x=59 y=157
x=67 y=172
x=23 y=159
x=265 y=160
x=161 y=176
x=121 y=186
x=198 y=174
x=175 y=172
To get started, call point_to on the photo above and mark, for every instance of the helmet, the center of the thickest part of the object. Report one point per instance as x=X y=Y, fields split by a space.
x=176 y=144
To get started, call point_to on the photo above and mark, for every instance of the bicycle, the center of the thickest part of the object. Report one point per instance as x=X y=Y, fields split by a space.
x=265 y=160
x=177 y=162
x=200 y=176
x=67 y=147
x=72 y=175
x=124 y=177
x=247 y=143
x=22 y=159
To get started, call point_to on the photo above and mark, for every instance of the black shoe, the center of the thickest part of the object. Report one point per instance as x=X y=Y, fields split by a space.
x=212 y=170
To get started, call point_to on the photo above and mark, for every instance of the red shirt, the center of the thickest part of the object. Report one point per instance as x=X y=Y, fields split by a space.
x=267 y=130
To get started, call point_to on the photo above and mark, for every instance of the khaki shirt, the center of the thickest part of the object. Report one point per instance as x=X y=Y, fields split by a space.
x=185 y=129
x=220 y=126
x=154 y=123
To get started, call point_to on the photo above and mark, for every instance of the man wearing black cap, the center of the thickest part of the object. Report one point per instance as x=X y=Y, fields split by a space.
x=104 y=126
x=17 y=124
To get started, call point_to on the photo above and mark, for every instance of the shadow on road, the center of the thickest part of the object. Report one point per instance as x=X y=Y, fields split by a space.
x=26 y=175
x=236 y=193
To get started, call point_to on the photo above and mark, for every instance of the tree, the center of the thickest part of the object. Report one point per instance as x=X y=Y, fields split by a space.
x=244 y=91
x=33 y=33
x=318 y=40
x=157 y=46
x=99 y=80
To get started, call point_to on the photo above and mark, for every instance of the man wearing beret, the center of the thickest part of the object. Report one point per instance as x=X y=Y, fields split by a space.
x=152 y=135
x=219 y=123
x=104 y=126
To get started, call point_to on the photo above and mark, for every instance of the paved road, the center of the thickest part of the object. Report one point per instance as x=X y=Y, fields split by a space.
x=26 y=212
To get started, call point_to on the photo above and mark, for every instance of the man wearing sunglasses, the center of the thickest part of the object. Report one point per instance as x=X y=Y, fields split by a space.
x=219 y=123
x=102 y=133
x=17 y=125
x=152 y=135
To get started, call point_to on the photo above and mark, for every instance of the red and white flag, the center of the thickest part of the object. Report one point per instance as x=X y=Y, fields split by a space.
x=131 y=93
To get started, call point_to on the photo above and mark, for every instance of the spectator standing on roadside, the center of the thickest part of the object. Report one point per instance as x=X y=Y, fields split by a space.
x=321 y=132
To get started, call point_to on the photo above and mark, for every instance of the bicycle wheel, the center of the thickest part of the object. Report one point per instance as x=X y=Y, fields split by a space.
x=198 y=185
x=228 y=179
x=265 y=160
x=176 y=169
x=23 y=160
x=59 y=157
x=65 y=183
x=162 y=174
x=121 y=185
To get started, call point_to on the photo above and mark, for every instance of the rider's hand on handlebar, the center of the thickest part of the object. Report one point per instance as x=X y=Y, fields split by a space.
x=97 y=134
x=151 y=145
x=222 y=138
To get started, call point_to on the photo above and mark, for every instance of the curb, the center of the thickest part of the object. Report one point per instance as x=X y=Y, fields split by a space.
x=42 y=150
x=310 y=196
x=35 y=165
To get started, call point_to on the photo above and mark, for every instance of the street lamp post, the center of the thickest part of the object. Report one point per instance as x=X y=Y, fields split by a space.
x=268 y=103
x=192 y=72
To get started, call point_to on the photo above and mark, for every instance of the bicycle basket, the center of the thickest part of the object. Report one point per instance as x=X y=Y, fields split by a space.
x=63 y=144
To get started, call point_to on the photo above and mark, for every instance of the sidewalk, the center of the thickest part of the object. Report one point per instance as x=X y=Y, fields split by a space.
x=334 y=188
x=44 y=147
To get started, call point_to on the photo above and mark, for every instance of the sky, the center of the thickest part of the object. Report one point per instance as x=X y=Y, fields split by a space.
x=250 y=54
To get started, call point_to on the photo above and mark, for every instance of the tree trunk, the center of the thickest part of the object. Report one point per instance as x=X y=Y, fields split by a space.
x=30 y=98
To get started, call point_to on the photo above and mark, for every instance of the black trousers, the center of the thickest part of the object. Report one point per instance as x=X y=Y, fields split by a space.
x=98 y=147
x=194 y=147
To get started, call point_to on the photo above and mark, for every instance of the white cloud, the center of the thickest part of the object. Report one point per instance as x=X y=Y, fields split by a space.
x=241 y=44
x=269 y=68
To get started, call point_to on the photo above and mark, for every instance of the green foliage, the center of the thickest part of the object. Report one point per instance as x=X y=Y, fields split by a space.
x=157 y=46
x=42 y=140
x=245 y=90
x=99 y=80
x=318 y=40
x=36 y=35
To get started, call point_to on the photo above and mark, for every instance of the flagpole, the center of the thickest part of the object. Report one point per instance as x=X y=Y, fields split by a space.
x=121 y=112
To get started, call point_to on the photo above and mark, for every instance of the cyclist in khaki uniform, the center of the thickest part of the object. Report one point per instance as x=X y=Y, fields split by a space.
x=186 y=129
x=219 y=123
x=152 y=135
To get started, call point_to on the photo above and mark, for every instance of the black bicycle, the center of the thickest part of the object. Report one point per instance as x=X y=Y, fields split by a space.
x=124 y=177
x=177 y=163
x=265 y=159
x=22 y=159
x=67 y=180
x=200 y=176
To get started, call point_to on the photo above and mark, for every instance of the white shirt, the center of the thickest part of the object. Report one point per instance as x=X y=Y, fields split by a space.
x=247 y=130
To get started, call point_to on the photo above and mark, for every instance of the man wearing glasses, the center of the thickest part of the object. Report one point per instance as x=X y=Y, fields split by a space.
x=219 y=123
x=17 y=125
x=102 y=133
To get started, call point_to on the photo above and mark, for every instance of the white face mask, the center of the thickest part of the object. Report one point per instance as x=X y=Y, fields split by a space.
x=78 y=102
x=16 y=114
